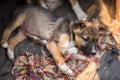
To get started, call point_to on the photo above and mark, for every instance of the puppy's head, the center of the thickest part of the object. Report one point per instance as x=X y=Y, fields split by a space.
x=85 y=37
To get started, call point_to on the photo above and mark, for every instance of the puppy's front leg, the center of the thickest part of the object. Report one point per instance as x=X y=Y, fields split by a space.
x=42 y=3
x=55 y=51
x=81 y=15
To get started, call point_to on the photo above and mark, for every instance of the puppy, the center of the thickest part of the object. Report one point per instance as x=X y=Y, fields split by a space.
x=39 y=24
x=53 y=4
x=86 y=36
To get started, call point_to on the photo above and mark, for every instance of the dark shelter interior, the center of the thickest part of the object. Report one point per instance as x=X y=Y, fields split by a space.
x=110 y=64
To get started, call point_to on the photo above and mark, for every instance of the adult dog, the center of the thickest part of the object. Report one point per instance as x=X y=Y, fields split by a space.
x=39 y=24
x=53 y=4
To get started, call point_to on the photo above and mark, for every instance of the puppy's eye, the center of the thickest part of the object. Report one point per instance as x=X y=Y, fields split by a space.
x=86 y=38
x=80 y=25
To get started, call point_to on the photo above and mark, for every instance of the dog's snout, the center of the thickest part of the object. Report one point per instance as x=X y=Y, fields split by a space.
x=89 y=48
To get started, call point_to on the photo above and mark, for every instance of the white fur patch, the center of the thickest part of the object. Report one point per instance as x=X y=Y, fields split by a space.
x=73 y=50
x=69 y=47
x=44 y=41
x=34 y=37
x=85 y=37
x=93 y=49
x=44 y=6
x=37 y=39
x=81 y=15
x=72 y=44
x=64 y=68
x=5 y=45
x=65 y=47
x=10 y=54
x=66 y=44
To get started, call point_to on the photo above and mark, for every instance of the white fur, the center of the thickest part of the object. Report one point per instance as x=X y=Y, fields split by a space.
x=34 y=37
x=72 y=44
x=44 y=5
x=93 y=49
x=73 y=50
x=64 y=68
x=65 y=47
x=81 y=15
x=69 y=47
x=85 y=37
x=66 y=44
x=10 y=54
x=5 y=45
x=44 y=41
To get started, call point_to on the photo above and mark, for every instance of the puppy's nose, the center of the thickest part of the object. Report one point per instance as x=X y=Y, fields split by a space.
x=93 y=53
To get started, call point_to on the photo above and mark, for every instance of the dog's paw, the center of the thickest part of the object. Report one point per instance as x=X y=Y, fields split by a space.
x=72 y=44
x=64 y=68
x=73 y=50
x=44 y=6
x=82 y=16
x=10 y=54
x=4 y=45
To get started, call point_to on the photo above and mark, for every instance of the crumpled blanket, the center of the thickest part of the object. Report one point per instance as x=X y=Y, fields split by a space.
x=114 y=27
x=37 y=67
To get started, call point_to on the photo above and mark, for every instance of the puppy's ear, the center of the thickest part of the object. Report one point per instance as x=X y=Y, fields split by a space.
x=100 y=27
x=77 y=25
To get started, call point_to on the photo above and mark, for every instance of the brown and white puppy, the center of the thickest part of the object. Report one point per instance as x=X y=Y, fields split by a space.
x=53 y=4
x=86 y=37
x=39 y=24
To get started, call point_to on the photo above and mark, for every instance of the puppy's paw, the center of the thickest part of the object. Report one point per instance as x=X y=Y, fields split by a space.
x=82 y=16
x=64 y=68
x=44 y=6
x=10 y=54
x=72 y=44
x=73 y=50
x=4 y=44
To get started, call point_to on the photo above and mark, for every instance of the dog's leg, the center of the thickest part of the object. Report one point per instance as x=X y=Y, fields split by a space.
x=81 y=15
x=13 y=42
x=16 y=22
x=56 y=53
x=42 y=3
x=63 y=45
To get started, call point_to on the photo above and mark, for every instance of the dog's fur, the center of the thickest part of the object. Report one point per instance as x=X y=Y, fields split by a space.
x=40 y=25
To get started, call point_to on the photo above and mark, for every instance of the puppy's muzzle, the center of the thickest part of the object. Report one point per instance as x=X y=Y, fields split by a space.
x=90 y=48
